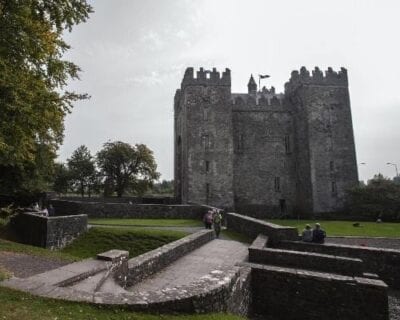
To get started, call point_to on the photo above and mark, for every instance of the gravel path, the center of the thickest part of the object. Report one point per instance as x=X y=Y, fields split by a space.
x=24 y=265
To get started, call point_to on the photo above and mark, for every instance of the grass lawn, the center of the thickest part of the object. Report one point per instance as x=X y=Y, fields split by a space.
x=136 y=241
x=6 y=245
x=147 y=222
x=17 y=305
x=346 y=228
x=97 y=239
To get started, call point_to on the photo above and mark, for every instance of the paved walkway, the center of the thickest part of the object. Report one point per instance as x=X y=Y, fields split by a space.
x=198 y=263
x=25 y=265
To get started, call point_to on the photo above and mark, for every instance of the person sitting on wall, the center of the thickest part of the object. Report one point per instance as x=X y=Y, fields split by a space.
x=45 y=212
x=208 y=219
x=51 y=210
x=217 y=220
x=319 y=234
x=307 y=234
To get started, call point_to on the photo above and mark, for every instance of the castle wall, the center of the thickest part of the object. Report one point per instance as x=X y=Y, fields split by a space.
x=263 y=163
x=264 y=153
x=206 y=126
x=325 y=120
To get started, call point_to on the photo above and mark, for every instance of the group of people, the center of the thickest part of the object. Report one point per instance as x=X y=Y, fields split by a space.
x=316 y=235
x=46 y=211
x=213 y=217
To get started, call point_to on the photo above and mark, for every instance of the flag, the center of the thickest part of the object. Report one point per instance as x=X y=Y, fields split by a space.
x=263 y=76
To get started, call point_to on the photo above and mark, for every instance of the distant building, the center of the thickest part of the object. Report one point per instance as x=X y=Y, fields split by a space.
x=261 y=152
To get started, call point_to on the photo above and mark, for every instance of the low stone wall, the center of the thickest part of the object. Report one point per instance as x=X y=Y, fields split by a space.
x=126 y=210
x=48 y=232
x=253 y=227
x=258 y=253
x=153 y=261
x=136 y=200
x=289 y=294
x=384 y=262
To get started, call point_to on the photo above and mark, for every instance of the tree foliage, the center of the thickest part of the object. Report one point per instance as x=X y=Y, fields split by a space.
x=62 y=178
x=33 y=77
x=127 y=167
x=380 y=198
x=82 y=170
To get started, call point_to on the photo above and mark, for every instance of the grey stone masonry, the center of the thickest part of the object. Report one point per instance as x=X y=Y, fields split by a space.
x=101 y=209
x=153 y=261
x=384 y=262
x=258 y=253
x=293 y=294
x=48 y=232
x=263 y=153
x=253 y=227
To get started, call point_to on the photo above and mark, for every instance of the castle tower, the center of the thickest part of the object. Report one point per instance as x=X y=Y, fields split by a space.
x=324 y=142
x=203 y=139
x=252 y=86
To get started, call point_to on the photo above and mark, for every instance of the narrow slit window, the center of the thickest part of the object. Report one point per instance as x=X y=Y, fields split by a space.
x=205 y=114
x=207 y=166
x=240 y=142
x=206 y=142
x=331 y=166
x=333 y=187
x=287 y=144
x=277 y=184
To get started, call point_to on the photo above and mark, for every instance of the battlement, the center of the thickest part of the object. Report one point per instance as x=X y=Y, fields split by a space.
x=206 y=77
x=303 y=77
x=261 y=100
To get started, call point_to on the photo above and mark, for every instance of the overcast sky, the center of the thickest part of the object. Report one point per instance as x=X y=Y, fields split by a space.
x=133 y=55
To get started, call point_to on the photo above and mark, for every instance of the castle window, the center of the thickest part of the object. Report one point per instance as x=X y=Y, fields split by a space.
x=287 y=144
x=205 y=114
x=207 y=192
x=333 y=187
x=240 y=142
x=277 y=184
x=331 y=166
x=206 y=142
x=207 y=166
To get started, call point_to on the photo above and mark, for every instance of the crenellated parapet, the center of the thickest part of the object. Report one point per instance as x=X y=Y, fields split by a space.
x=206 y=78
x=317 y=77
x=260 y=100
x=177 y=99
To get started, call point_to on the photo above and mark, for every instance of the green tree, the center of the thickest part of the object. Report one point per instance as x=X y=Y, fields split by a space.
x=82 y=170
x=62 y=178
x=380 y=198
x=33 y=77
x=127 y=167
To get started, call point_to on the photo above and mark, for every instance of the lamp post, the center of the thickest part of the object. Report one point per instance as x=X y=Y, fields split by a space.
x=395 y=166
x=361 y=182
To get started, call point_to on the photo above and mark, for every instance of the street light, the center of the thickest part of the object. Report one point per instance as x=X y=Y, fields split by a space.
x=395 y=166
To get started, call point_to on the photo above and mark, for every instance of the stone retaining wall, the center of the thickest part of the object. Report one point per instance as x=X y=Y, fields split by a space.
x=48 y=232
x=153 y=261
x=384 y=262
x=253 y=227
x=258 y=253
x=126 y=210
x=289 y=294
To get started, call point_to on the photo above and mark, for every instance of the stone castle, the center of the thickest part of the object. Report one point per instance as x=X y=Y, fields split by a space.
x=261 y=152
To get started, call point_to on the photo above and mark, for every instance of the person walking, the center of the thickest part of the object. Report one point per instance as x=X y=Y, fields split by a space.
x=217 y=220
x=208 y=219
